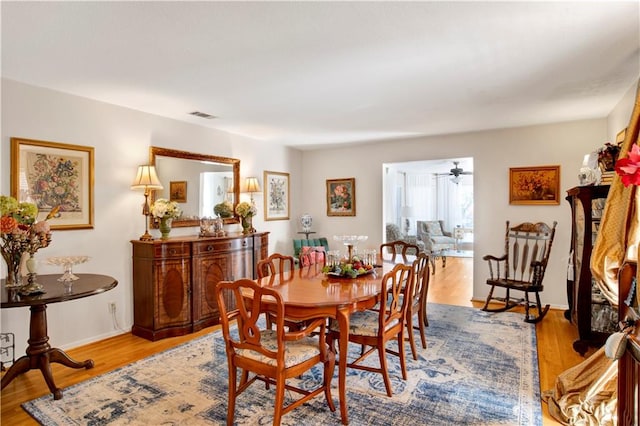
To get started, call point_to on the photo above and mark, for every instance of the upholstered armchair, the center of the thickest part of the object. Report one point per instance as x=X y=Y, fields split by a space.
x=433 y=235
x=394 y=234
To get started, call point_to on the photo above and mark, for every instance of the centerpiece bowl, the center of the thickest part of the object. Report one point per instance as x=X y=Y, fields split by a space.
x=67 y=263
x=350 y=242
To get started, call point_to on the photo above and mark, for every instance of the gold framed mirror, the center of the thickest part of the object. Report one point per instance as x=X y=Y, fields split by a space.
x=196 y=181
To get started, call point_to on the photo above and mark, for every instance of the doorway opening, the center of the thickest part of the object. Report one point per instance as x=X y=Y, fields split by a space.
x=431 y=190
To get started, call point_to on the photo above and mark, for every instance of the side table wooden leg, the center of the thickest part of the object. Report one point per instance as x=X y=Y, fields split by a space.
x=61 y=357
x=22 y=365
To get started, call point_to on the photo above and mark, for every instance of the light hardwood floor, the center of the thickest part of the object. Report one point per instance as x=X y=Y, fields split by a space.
x=451 y=285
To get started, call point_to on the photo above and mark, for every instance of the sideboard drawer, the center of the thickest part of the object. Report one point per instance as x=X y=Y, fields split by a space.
x=173 y=250
x=213 y=246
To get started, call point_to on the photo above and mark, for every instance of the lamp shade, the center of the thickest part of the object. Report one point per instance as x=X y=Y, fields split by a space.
x=252 y=184
x=146 y=178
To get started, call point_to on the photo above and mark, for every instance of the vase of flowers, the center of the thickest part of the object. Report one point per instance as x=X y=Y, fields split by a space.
x=246 y=212
x=20 y=234
x=165 y=211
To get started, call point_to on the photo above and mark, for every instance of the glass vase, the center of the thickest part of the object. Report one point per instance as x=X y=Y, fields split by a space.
x=13 y=262
x=165 y=227
x=247 y=225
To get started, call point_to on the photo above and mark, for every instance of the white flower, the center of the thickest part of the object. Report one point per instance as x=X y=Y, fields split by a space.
x=245 y=209
x=162 y=208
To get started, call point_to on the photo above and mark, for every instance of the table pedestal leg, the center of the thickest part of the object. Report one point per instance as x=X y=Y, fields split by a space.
x=40 y=354
x=343 y=346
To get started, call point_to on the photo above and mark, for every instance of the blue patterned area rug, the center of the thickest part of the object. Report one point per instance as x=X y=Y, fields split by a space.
x=479 y=368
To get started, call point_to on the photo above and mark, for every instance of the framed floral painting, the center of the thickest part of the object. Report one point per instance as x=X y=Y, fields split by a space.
x=51 y=174
x=341 y=197
x=534 y=185
x=276 y=195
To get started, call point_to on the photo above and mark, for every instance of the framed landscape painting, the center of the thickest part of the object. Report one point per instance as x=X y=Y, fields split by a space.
x=341 y=197
x=276 y=196
x=51 y=174
x=537 y=185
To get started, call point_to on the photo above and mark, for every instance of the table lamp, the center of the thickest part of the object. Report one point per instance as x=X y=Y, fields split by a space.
x=252 y=186
x=146 y=179
x=407 y=213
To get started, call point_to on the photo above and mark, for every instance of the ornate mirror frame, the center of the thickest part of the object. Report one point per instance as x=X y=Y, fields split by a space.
x=155 y=151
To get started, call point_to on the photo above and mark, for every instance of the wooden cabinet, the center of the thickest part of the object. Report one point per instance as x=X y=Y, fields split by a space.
x=174 y=280
x=592 y=314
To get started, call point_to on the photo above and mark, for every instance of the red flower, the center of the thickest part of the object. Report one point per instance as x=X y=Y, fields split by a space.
x=629 y=168
x=7 y=224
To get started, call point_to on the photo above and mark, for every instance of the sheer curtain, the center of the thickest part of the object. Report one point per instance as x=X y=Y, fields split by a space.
x=434 y=197
x=420 y=197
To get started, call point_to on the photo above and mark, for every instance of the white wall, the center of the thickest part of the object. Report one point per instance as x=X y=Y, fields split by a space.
x=121 y=138
x=619 y=118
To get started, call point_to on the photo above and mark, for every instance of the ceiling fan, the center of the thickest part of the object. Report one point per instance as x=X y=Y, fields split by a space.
x=456 y=172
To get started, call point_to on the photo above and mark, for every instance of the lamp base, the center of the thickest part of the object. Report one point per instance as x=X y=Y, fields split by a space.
x=146 y=236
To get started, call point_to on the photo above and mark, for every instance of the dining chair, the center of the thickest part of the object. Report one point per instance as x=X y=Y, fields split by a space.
x=392 y=249
x=276 y=264
x=313 y=256
x=375 y=328
x=418 y=305
x=273 y=356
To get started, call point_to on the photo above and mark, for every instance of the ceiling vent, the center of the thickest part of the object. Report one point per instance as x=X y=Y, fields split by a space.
x=203 y=115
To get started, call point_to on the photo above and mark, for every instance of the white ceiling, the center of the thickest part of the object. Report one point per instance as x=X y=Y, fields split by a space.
x=309 y=73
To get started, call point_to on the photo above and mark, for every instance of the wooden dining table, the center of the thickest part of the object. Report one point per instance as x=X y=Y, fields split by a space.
x=309 y=293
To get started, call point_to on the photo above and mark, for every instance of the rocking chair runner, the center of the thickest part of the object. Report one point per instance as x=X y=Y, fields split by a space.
x=521 y=268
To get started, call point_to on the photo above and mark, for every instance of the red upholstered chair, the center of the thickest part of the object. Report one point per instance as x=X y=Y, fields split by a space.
x=273 y=356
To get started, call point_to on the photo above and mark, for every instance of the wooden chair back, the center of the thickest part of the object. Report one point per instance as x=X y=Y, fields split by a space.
x=418 y=301
x=276 y=263
x=527 y=248
x=391 y=250
x=397 y=285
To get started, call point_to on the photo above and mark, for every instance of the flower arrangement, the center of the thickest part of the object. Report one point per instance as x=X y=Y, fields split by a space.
x=21 y=233
x=165 y=209
x=607 y=156
x=223 y=209
x=629 y=168
x=245 y=209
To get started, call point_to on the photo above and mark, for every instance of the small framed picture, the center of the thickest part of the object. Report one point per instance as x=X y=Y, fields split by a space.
x=52 y=174
x=341 y=197
x=178 y=191
x=534 y=185
x=276 y=196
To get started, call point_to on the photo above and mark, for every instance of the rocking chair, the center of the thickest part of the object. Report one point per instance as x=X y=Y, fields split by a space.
x=521 y=268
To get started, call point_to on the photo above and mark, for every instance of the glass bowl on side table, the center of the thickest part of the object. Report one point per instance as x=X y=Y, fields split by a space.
x=67 y=263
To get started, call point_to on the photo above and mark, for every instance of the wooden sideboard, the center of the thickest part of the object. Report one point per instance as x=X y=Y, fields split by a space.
x=174 y=280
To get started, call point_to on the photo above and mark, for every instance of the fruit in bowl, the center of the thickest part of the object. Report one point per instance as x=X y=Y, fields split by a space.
x=352 y=269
